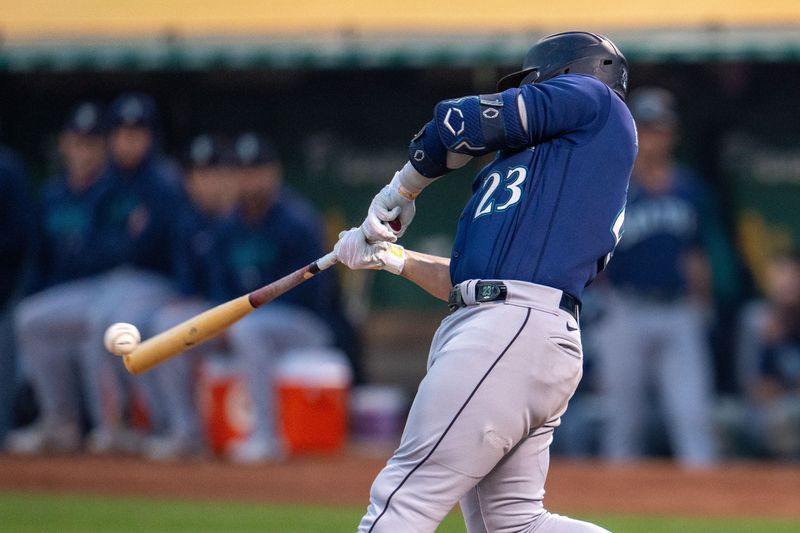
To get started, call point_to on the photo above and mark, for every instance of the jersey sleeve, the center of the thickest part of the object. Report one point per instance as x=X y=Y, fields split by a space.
x=571 y=107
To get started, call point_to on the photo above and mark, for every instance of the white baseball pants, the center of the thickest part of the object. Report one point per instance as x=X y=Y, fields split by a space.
x=499 y=377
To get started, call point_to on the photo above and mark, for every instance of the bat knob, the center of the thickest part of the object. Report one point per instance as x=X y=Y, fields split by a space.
x=395 y=224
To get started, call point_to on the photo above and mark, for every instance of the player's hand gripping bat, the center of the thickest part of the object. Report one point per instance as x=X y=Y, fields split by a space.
x=202 y=327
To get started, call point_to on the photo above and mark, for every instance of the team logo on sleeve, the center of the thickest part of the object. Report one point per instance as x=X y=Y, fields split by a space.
x=458 y=120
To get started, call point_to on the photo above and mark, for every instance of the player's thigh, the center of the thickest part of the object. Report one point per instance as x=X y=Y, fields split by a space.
x=59 y=309
x=132 y=296
x=494 y=504
x=488 y=385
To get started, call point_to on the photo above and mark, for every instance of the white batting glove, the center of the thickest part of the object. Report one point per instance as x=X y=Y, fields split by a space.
x=354 y=251
x=393 y=202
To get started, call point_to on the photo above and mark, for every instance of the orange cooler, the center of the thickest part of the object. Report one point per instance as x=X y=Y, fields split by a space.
x=224 y=405
x=313 y=388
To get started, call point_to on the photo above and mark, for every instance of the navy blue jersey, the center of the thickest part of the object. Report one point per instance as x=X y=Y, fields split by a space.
x=193 y=241
x=552 y=213
x=660 y=229
x=16 y=221
x=288 y=237
x=64 y=245
x=135 y=216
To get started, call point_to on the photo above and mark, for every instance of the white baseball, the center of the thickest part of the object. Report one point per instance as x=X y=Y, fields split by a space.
x=121 y=338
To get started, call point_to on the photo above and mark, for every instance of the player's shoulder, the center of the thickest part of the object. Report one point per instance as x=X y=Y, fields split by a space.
x=581 y=86
x=582 y=81
x=580 y=91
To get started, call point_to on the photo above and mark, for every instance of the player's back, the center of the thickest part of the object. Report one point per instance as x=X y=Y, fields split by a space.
x=551 y=213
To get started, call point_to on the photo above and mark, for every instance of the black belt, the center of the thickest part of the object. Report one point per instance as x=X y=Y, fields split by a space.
x=496 y=291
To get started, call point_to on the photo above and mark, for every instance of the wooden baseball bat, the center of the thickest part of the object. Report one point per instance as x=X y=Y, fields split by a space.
x=202 y=327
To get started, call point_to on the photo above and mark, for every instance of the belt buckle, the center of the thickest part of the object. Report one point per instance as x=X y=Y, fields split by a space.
x=486 y=293
x=489 y=292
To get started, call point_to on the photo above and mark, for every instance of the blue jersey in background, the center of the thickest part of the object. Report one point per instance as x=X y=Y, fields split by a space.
x=65 y=240
x=288 y=237
x=660 y=229
x=193 y=241
x=135 y=217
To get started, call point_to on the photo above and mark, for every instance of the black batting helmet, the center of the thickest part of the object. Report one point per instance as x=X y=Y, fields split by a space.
x=572 y=52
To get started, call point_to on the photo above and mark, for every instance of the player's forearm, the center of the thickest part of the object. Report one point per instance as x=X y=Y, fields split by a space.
x=430 y=272
x=413 y=182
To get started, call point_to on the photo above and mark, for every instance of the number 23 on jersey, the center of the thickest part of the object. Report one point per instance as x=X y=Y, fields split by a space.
x=497 y=201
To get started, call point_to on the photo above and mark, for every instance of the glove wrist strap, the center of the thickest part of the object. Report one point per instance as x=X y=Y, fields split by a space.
x=394 y=258
x=408 y=182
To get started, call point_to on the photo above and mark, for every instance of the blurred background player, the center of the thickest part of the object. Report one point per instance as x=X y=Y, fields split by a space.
x=211 y=195
x=769 y=363
x=272 y=233
x=133 y=226
x=16 y=232
x=653 y=337
x=51 y=324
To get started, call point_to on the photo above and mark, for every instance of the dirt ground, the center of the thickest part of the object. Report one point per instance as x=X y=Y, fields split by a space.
x=737 y=489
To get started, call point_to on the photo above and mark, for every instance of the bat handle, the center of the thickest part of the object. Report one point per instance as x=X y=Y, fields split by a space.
x=327 y=261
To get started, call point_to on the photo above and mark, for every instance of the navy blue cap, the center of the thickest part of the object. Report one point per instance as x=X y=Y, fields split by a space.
x=252 y=150
x=133 y=109
x=205 y=150
x=86 y=118
x=653 y=106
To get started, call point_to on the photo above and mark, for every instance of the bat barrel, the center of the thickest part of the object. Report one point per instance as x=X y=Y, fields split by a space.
x=202 y=327
x=186 y=335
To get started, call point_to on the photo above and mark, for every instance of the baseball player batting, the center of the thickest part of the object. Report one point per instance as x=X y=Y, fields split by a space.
x=543 y=220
